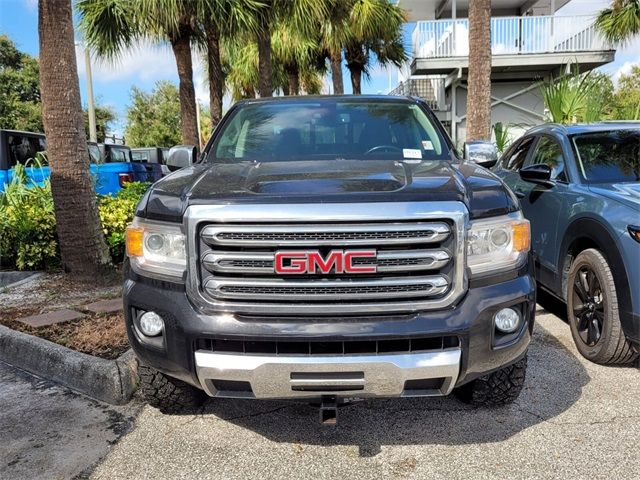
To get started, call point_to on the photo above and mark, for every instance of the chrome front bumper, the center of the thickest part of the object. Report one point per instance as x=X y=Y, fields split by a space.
x=314 y=376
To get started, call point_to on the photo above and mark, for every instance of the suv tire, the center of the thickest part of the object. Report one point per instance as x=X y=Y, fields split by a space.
x=592 y=310
x=498 y=388
x=167 y=394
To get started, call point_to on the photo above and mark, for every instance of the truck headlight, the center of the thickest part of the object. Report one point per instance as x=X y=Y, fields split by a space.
x=156 y=249
x=497 y=243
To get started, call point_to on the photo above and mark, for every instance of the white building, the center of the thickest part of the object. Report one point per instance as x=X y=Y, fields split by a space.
x=529 y=42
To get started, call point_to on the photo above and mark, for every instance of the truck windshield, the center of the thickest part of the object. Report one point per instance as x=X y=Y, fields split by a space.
x=609 y=157
x=329 y=129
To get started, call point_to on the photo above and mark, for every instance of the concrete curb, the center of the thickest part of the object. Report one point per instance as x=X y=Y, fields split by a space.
x=111 y=381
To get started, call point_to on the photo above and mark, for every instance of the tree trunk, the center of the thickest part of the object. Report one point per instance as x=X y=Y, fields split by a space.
x=82 y=246
x=479 y=93
x=336 y=73
x=181 y=45
x=264 y=60
x=216 y=80
x=356 y=59
x=293 y=75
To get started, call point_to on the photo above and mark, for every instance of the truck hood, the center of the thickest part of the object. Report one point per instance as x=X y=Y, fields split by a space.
x=626 y=193
x=335 y=181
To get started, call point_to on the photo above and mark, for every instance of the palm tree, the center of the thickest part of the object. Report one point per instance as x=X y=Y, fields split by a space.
x=223 y=18
x=112 y=26
x=479 y=92
x=82 y=246
x=303 y=15
x=620 y=22
x=333 y=36
x=374 y=27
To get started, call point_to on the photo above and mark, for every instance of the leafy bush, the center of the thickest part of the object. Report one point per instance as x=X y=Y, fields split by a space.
x=116 y=212
x=27 y=225
x=28 y=239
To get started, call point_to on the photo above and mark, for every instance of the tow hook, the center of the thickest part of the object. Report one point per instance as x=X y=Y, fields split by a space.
x=328 y=411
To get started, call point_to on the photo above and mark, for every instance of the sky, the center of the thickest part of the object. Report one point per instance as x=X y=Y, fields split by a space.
x=147 y=64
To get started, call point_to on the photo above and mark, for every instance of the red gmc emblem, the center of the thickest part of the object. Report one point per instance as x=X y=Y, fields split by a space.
x=311 y=262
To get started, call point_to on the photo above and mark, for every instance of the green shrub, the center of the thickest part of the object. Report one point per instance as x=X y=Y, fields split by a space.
x=27 y=225
x=28 y=238
x=116 y=212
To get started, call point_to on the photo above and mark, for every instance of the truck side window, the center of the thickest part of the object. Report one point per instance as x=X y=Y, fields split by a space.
x=549 y=152
x=23 y=148
x=516 y=157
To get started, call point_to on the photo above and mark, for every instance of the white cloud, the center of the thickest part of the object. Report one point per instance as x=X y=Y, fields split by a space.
x=32 y=5
x=144 y=62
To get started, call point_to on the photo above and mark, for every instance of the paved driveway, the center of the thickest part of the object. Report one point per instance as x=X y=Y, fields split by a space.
x=574 y=419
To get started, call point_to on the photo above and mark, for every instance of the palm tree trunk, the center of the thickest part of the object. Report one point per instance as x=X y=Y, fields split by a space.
x=264 y=58
x=181 y=45
x=82 y=246
x=356 y=60
x=356 y=81
x=479 y=93
x=336 y=73
x=216 y=79
x=293 y=75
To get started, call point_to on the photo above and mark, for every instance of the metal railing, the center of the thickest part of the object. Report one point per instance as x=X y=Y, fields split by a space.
x=429 y=88
x=509 y=36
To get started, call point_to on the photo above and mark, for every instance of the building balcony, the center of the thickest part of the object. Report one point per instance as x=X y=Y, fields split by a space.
x=524 y=45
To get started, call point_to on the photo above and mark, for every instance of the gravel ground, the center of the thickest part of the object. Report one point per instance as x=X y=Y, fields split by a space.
x=574 y=419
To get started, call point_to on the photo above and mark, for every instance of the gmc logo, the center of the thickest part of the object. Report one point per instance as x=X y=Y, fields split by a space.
x=338 y=261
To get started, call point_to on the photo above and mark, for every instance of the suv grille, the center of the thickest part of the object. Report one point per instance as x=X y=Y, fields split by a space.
x=414 y=261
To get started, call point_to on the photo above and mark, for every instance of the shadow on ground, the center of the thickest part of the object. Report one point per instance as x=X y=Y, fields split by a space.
x=555 y=379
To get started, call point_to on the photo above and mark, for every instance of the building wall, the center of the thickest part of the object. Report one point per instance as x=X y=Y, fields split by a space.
x=518 y=120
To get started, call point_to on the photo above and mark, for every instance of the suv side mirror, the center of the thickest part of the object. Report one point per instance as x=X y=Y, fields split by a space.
x=538 y=173
x=483 y=153
x=181 y=156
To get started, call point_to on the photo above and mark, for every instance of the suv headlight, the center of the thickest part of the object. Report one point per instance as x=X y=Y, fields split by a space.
x=497 y=243
x=156 y=249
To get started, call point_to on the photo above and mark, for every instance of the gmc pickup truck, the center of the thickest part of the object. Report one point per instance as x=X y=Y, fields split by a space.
x=329 y=249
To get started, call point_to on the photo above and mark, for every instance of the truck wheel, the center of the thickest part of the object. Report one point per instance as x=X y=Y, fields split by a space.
x=168 y=394
x=498 y=388
x=592 y=310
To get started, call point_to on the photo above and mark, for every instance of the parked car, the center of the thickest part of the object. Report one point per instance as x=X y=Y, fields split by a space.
x=152 y=156
x=329 y=249
x=29 y=149
x=141 y=171
x=579 y=186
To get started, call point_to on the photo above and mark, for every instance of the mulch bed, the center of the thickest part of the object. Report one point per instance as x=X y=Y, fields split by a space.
x=102 y=335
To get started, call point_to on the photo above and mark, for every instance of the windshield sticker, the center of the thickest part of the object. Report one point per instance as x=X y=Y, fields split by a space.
x=411 y=153
x=427 y=144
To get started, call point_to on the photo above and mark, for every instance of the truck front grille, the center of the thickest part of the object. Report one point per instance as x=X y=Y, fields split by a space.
x=414 y=262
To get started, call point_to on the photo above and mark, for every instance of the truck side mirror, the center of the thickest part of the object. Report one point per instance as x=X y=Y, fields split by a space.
x=538 y=173
x=483 y=153
x=181 y=156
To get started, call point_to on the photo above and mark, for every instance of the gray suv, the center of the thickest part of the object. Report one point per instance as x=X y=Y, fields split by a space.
x=579 y=186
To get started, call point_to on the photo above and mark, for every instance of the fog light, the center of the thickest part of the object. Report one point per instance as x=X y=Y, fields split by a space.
x=151 y=324
x=507 y=320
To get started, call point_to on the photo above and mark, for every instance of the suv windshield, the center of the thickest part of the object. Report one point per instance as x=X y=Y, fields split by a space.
x=329 y=129
x=609 y=157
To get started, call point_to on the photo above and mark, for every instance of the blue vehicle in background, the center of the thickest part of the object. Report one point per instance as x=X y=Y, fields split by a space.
x=579 y=186
x=111 y=165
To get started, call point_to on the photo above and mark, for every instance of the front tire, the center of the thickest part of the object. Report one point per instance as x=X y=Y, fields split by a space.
x=593 y=313
x=498 y=388
x=168 y=394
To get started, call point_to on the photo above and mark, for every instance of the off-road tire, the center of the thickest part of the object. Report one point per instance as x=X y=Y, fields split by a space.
x=498 y=388
x=168 y=394
x=613 y=346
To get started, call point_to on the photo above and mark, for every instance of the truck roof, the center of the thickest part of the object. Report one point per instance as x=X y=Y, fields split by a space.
x=328 y=98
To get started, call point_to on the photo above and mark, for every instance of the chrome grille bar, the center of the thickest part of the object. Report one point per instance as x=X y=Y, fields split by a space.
x=315 y=289
x=330 y=234
x=387 y=261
